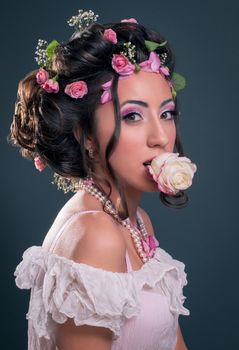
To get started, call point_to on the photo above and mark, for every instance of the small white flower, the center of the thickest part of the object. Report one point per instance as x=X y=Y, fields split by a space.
x=82 y=20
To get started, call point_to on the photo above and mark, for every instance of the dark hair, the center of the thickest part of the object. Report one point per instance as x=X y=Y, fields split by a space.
x=44 y=123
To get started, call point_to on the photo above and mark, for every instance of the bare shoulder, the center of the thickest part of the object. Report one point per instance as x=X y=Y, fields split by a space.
x=95 y=239
x=92 y=238
x=147 y=221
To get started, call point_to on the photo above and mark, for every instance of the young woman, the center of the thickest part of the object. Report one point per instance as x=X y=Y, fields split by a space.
x=100 y=107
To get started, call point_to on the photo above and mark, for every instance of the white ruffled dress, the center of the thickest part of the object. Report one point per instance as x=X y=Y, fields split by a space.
x=140 y=307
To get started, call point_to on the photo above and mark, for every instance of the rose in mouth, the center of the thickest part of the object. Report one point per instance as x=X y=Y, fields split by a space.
x=171 y=172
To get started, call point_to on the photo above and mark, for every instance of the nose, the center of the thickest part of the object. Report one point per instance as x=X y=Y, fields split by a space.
x=158 y=132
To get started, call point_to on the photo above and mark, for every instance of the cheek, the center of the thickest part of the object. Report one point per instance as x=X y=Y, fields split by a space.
x=127 y=148
x=129 y=141
x=171 y=138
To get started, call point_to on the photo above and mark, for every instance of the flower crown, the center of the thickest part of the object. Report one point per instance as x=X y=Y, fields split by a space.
x=124 y=64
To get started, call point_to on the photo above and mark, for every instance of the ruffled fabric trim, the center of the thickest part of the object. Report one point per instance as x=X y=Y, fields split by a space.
x=62 y=288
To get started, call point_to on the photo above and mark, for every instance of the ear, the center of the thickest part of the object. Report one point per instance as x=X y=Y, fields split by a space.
x=77 y=133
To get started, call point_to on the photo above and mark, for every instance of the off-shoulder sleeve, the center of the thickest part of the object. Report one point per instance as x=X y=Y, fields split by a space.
x=62 y=288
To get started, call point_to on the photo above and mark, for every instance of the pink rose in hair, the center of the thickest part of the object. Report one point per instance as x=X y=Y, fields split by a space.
x=132 y=20
x=42 y=76
x=39 y=164
x=152 y=64
x=164 y=70
x=106 y=96
x=121 y=65
x=76 y=89
x=51 y=86
x=110 y=35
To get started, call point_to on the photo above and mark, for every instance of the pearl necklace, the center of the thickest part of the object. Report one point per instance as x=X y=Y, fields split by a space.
x=138 y=235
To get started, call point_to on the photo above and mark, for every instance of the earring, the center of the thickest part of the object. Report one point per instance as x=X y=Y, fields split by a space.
x=91 y=153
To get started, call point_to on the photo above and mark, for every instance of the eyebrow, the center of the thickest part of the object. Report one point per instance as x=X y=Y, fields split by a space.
x=145 y=104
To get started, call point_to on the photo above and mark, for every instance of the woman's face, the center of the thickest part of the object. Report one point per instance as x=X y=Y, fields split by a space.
x=147 y=127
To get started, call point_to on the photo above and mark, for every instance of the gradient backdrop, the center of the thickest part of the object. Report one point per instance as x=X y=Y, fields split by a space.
x=204 y=35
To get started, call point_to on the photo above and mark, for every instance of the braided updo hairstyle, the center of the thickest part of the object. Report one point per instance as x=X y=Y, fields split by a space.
x=44 y=123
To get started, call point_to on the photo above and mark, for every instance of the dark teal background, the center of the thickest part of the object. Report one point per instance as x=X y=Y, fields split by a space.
x=204 y=35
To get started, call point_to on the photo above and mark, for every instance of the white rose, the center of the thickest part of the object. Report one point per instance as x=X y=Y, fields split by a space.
x=172 y=173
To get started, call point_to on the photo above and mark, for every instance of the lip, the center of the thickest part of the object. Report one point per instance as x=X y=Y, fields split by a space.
x=149 y=160
x=148 y=174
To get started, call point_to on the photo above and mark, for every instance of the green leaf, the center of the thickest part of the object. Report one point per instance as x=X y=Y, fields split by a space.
x=55 y=78
x=51 y=48
x=151 y=45
x=174 y=93
x=178 y=81
x=137 y=68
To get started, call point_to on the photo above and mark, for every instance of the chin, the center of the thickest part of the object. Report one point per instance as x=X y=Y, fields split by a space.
x=151 y=187
x=147 y=185
x=143 y=183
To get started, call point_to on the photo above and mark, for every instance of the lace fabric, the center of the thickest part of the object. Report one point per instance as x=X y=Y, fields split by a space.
x=62 y=288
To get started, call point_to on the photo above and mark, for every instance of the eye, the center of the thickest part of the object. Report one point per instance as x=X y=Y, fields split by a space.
x=130 y=116
x=169 y=115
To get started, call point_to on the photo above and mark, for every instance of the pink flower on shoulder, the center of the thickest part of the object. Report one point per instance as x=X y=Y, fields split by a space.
x=110 y=35
x=76 y=89
x=51 y=86
x=131 y=20
x=150 y=243
x=42 y=76
x=121 y=65
x=39 y=164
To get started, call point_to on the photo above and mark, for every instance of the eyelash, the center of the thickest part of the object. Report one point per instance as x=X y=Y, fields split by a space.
x=173 y=113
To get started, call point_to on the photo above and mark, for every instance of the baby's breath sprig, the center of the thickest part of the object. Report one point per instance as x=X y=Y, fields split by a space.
x=82 y=20
x=129 y=51
x=152 y=46
x=45 y=52
x=41 y=55
x=163 y=57
x=64 y=184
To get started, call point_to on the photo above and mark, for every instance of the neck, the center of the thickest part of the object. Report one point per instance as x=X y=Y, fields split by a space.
x=132 y=198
